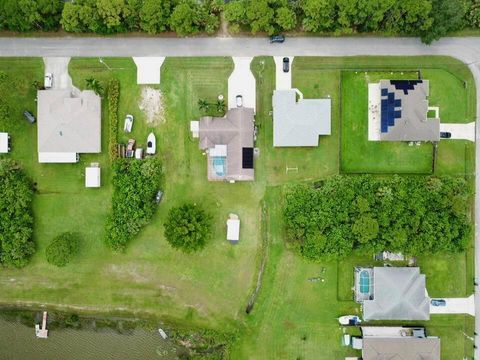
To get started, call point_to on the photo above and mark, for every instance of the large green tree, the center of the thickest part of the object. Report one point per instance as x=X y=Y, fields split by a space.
x=319 y=15
x=154 y=15
x=448 y=16
x=63 y=248
x=188 y=228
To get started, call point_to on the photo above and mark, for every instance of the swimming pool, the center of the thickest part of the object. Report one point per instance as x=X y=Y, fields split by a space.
x=364 y=280
x=219 y=165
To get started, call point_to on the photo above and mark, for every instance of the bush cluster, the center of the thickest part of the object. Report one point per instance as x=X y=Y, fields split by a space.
x=188 y=227
x=135 y=185
x=113 y=98
x=63 y=248
x=413 y=215
x=16 y=217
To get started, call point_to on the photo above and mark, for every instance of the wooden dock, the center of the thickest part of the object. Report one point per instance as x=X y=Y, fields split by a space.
x=42 y=332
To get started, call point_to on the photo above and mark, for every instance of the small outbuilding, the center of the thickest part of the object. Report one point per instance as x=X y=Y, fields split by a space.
x=92 y=176
x=233 y=228
x=4 y=143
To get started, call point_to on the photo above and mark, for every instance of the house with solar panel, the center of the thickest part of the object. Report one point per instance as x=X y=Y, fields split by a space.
x=398 y=111
x=392 y=293
x=228 y=143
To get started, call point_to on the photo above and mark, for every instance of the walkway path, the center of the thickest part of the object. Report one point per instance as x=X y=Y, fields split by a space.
x=459 y=131
x=148 y=69
x=242 y=82
x=455 y=306
x=283 y=79
x=58 y=66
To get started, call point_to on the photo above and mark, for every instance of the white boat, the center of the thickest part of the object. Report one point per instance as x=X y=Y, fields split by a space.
x=349 y=320
x=151 y=144
x=162 y=333
x=127 y=126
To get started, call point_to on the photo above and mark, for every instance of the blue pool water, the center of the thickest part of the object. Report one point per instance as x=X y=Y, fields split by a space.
x=219 y=165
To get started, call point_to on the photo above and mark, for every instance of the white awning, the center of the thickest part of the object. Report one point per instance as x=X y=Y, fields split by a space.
x=3 y=143
x=57 y=157
x=92 y=177
x=218 y=150
x=233 y=229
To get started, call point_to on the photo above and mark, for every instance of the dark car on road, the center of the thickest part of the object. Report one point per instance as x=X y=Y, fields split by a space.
x=277 y=39
x=29 y=116
x=445 y=135
x=438 y=302
x=286 y=64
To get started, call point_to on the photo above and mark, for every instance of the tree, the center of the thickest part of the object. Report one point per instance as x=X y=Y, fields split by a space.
x=447 y=16
x=319 y=15
x=154 y=15
x=365 y=228
x=220 y=105
x=188 y=228
x=185 y=18
x=63 y=248
x=260 y=16
x=286 y=18
x=203 y=105
x=94 y=85
x=235 y=13
x=112 y=13
x=16 y=217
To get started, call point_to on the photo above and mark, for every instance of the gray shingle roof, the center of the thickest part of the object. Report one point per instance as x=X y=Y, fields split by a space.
x=409 y=348
x=69 y=123
x=398 y=294
x=299 y=123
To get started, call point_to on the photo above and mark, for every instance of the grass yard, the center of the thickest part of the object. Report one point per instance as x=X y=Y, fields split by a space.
x=209 y=288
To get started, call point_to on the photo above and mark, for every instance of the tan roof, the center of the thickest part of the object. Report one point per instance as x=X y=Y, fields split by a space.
x=68 y=122
x=235 y=130
x=408 y=348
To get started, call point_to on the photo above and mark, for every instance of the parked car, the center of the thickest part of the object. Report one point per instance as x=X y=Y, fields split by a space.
x=438 y=302
x=159 y=196
x=277 y=39
x=286 y=64
x=239 y=100
x=127 y=125
x=29 y=116
x=445 y=135
x=48 y=80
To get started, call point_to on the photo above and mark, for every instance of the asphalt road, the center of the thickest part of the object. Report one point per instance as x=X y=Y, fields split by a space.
x=464 y=49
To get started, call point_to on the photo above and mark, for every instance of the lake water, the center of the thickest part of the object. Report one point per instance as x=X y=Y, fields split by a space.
x=18 y=342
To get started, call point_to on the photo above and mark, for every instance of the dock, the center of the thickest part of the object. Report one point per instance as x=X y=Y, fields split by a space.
x=42 y=332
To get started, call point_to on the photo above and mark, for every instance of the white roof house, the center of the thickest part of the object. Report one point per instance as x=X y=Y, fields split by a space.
x=69 y=123
x=299 y=123
x=92 y=177
x=4 y=148
x=233 y=228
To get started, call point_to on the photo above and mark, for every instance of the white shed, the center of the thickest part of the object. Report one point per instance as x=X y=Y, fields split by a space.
x=195 y=128
x=92 y=177
x=4 y=148
x=233 y=228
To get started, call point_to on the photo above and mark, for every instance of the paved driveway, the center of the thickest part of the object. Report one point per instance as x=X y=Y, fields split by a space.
x=58 y=66
x=242 y=82
x=455 y=306
x=283 y=80
x=460 y=131
x=148 y=69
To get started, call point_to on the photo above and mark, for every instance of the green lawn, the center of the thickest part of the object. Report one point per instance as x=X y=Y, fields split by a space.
x=293 y=318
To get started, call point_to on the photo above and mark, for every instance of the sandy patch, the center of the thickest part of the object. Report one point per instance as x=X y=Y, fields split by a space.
x=151 y=104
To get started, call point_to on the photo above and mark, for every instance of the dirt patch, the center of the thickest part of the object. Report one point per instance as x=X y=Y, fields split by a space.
x=151 y=103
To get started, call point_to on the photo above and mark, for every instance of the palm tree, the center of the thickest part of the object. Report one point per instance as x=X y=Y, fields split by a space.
x=94 y=84
x=203 y=105
x=220 y=106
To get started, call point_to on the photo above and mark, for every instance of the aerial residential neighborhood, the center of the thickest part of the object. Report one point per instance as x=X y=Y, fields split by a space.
x=239 y=180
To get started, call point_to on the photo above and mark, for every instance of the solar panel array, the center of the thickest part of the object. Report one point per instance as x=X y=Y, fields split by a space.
x=405 y=85
x=247 y=158
x=391 y=109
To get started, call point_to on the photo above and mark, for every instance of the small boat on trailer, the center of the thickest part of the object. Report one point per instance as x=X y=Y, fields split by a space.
x=351 y=320
x=151 y=144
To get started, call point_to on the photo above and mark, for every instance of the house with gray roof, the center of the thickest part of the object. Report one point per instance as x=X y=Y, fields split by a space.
x=404 y=111
x=299 y=122
x=69 y=123
x=392 y=293
x=228 y=143
x=399 y=343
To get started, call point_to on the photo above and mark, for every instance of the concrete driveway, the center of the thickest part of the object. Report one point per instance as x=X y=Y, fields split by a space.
x=242 y=82
x=455 y=306
x=460 y=131
x=283 y=80
x=148 y=69
x=58 y=66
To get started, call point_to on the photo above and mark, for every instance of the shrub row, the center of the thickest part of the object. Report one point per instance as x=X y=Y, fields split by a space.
x=135 y=185
x=113 y=97
x=16 y=216
x=413 y=215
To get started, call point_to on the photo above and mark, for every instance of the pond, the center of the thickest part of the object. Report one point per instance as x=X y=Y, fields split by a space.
x=18 y=341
